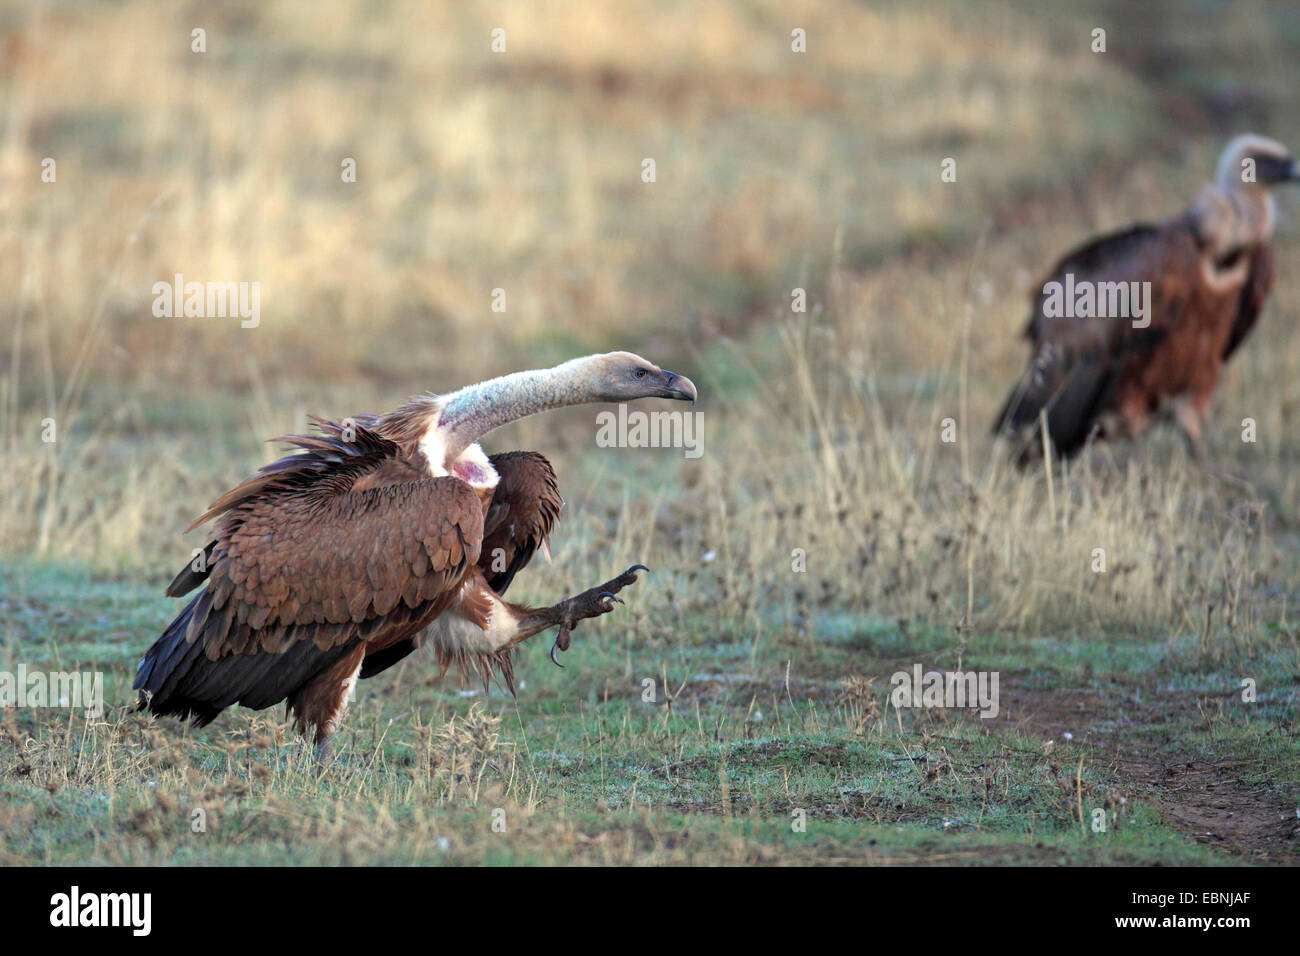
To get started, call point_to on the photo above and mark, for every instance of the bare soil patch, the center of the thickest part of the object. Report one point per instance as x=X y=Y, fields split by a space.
x=1209 y=801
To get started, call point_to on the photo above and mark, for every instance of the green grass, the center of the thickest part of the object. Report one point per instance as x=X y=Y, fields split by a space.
x=586 y=772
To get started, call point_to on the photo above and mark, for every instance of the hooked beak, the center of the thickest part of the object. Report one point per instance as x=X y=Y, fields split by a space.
x=678 y=387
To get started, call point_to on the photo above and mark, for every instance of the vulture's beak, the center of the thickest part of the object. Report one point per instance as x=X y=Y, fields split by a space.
x=678 y=387
x=1295 y=171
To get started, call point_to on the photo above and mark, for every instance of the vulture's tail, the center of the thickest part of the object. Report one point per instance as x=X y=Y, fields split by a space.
x=1071 y=403
x=159 y=671
x=175 y=676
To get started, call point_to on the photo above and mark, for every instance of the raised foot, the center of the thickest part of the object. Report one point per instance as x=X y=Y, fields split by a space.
x=592 y=602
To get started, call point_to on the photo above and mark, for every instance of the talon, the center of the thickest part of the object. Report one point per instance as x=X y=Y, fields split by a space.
x=637 y=567
x=554 y=648
x=607 y=596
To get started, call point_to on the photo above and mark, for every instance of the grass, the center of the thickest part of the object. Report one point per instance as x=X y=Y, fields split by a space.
x=822 y=429
x=716 y=768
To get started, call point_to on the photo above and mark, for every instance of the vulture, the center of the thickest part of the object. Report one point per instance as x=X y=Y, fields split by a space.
x=1140 y=321
x=381 y=535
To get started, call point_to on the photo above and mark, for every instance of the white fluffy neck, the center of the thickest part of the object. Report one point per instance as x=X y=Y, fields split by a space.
x=471 y=465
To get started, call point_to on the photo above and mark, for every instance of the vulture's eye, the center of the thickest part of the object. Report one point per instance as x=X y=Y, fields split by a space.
x=640 y=373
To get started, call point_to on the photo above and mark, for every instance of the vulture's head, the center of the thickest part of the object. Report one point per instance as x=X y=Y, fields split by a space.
x=1253 y=160
x=623 y=376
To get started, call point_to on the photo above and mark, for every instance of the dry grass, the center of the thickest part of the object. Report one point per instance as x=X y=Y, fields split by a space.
x=822 y=429
x=521 y=171
x=478 y=171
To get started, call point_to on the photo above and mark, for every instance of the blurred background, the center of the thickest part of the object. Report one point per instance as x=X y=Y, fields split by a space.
x=521 y=170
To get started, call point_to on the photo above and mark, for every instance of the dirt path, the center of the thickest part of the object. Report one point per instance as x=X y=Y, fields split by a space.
x=1208 y=801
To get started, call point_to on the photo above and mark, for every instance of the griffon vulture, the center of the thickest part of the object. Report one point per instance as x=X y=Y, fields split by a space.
x=382 y=535
x=1141 y=320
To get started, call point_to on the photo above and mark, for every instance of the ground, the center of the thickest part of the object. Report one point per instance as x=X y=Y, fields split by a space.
x=737 y=708
x=718 y=769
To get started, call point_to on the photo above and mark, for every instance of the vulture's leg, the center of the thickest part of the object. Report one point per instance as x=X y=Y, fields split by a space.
x=481 y=623
x=593 y=602
x=590 y=603
x=566 y=614
x=320 y=702
x=1190 y=419
x=1131 y=418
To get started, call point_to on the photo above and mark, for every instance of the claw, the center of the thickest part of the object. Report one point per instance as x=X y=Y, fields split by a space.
x=607 y=596
x=561 y=643
x=637 y=567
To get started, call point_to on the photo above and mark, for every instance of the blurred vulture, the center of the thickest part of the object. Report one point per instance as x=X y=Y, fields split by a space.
x=1140 y=321
x=382 y=535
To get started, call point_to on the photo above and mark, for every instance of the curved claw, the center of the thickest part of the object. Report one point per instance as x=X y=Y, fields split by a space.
x=606 y=595
x=637 y=567
x=554 y=648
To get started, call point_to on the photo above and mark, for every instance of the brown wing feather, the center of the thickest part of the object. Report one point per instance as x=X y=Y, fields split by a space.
x=524 y=507
x=1259 y=283
x=304 y=566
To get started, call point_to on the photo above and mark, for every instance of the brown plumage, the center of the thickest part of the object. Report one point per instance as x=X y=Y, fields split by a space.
x=1208 y=271
x=381 y=535
x=518 y=523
